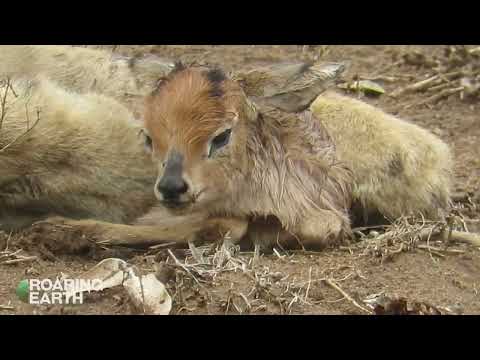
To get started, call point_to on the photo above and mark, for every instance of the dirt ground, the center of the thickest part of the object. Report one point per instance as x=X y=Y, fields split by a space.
x=334 y=281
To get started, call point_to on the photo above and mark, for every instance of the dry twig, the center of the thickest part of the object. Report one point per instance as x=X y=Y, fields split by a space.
x=23 y=134
x=418 y=86
x=19 y=260
x=178 y=263
x=335 y=286
x=437 y=97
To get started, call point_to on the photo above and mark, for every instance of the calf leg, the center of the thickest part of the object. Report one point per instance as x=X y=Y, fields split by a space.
x=75 y=235
x=321 y=229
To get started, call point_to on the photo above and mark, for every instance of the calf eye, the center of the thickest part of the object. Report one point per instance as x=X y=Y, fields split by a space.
x=219 y=141
x=148 y=141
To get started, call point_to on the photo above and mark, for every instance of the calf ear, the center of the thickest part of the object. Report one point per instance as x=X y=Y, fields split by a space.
x=299 y=92
x=290 y=87
x=150 y=68
x=155 y=71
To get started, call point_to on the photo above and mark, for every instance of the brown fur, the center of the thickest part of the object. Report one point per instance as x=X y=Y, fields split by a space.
x=275 y=165
x=398 y=167
x=293 y=175
x=84 y=161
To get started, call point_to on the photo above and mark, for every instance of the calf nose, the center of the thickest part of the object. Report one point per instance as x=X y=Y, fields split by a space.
x=171 y=187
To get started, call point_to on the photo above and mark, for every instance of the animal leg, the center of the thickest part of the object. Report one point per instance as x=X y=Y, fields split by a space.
x=320 y=230
x=231 y=229
x=76 y=235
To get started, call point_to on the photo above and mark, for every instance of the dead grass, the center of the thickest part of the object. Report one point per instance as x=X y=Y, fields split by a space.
x=197 y=270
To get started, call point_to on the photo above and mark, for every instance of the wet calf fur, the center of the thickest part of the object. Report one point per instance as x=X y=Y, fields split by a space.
x=215 y=161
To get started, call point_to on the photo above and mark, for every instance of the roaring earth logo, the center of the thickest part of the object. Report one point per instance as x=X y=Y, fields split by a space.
x=60 y=291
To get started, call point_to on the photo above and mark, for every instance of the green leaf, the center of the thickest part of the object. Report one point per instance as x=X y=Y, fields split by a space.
x=366 y=86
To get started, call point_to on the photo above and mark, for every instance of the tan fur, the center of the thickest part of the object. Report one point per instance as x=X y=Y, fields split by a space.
x=84 y=158
x=283 y=176
x=86 y=70
x=399 y=168
x=276 y=164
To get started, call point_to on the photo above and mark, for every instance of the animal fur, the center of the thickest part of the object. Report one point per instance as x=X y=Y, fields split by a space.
x=83 y=159
x=290 y=87
x=85 y=70
x=295 y=167
x=399 y=168
x=291 y=175
x=277 y=164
